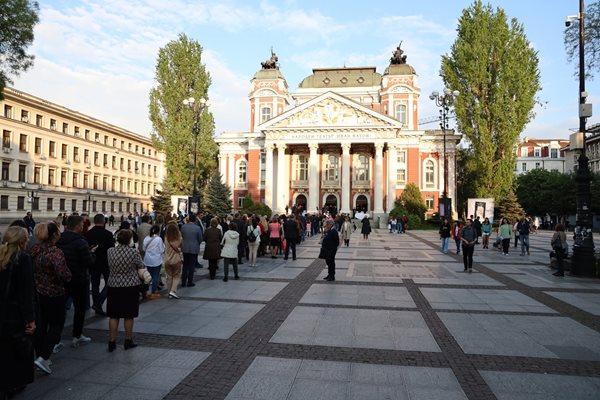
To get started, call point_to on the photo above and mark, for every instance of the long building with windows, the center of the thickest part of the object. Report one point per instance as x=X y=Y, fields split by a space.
x=348 y=139
x=58 y=160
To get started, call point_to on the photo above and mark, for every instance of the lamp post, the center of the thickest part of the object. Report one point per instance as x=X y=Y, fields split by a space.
x=583 y=260
x=89 y=201
x=197 y=107
x=444 y=101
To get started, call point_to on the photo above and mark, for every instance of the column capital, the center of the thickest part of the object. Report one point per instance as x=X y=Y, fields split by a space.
x=313 y=146
x=281 y=146
x=269 y=146
x=346 y=147
x=379 y=146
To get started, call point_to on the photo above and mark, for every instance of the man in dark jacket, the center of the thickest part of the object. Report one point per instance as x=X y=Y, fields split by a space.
x=290 y=233
x=101 y=237
x=79 y=258
x=329 y=246
x=190 y=246
x=242 y=225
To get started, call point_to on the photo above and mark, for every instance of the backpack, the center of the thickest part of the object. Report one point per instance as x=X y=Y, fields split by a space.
x=251 y=235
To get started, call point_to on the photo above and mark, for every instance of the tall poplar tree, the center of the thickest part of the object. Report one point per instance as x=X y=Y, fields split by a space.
x=180 y=74
x=591 y=38
x=495 y=69
x=17 y=19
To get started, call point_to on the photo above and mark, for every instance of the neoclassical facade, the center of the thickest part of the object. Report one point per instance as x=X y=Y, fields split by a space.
x=58 y=160
x=347 y=139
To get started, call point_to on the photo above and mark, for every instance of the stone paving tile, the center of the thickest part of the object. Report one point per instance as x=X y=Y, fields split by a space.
x=528 y=336
x=358 y=296
x=589 y=302
x=234 y=290
x=529 y=386
x=377 y=329
x=482 y=299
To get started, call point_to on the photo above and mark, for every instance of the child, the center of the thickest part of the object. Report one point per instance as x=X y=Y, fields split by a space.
x=308 y=229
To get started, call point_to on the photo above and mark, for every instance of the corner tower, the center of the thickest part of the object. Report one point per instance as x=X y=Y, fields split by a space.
x=399 y=91
x=269 y=96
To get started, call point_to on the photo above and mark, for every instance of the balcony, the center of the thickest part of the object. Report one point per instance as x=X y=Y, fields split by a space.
x=361 y=184
x=241 y=186
x=299 y=184
x=333 y=184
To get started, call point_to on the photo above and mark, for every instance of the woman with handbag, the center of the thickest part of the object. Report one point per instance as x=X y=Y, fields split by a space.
x=154 y=248
x=253 y=237
x=124 y=265
x=51 y=273
x=559 y=243
x=212 y=249
x=230 y=243
x=17 y=317
x=173 y=258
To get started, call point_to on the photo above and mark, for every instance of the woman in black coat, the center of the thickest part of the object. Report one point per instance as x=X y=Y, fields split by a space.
x=366 y=227
x=17 y=317
x=329 y=246
x=212 y=250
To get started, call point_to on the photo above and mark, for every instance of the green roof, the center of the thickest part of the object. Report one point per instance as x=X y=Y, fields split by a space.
x=342 y=77
x=274 y=73
x=400 y=69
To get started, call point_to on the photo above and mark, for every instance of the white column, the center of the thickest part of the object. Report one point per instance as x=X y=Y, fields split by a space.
x=313 y=179
x=345 y=206
x=282 y=184
x=231 y=173
x=378 y=186
x=269 y=176
x=391 y=190
x=222 y=167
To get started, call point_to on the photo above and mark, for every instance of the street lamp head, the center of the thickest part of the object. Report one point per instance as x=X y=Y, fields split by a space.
x=202 y=101
x=435 y=94
x=431 y=96
x=447 y=91
x=186 y=102
x=191 y=101
x=455 y=93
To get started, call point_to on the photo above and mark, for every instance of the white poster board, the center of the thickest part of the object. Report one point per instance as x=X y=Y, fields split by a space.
x=482 y=208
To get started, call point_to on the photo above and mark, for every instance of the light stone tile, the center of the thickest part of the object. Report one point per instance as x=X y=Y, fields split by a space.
x=309 y=389
x=589 y=302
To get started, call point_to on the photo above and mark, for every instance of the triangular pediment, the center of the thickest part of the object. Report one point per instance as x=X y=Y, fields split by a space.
x=330 y=110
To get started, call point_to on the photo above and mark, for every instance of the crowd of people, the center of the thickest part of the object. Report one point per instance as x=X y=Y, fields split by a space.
x=466 y=235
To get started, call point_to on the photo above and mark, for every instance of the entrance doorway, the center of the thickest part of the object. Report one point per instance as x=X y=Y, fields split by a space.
x=362 y=204
x=300 y=205
x=331 y=204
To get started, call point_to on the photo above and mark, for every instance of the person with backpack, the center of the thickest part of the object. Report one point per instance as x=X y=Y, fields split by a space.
x=253 y=237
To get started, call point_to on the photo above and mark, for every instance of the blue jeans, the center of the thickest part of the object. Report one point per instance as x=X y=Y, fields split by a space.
x=155 y=273
x=445 y=241
x=524 y=243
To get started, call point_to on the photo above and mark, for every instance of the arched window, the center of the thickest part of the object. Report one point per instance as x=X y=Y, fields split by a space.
x=242 y=172
x=265 y=114
x=401 y=113
x=331 y=167
x=429 y=174
x=302 y=167
x=361 y=168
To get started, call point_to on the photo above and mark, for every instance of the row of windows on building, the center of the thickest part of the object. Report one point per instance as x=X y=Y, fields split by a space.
x=89 y=181
x=400 y=113
x=75 y=156
x=361 y=170
x=76 y=131
x=90 y=205
x=537 y=152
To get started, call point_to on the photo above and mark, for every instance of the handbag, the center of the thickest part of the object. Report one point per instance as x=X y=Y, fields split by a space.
x=144 y=275
x=176 y=257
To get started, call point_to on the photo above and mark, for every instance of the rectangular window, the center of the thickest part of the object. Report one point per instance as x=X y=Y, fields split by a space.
x=86 y=181
x=52 y=124
x=87 y=134
x=122 y=164
x=38 y=146
x=94 y=205
x=49 y=204
x=265 y=114
x=62 y=205
x=120 y=206
x=240 y=201
x=429 y=174
x=155 y=173
x=64 y=152
x=96 y=182
x=25 y=116
x=302 y=167
x=538 y=165
x=105 y=140
x=104 y=183
x=553 y=153
x=96 y=159
x=137 y=169
x=401 y=113
x=50 y=176
x=76 y=131
x=65 y=127
x=86 y=156
x=52 y=149
x=5 y=171
x=39 y=120
x=103 y=206
x=3 y=202
x=76 y=154
x=20 y=202
x=75 y=180
x=74 y=205
x=85 y=205
x=6 y=139
x=97 y=137
x=7 y=111
x=114 y=162
x=23 y=143
x=332 y=167
x=429 y=202
x=22 y=172
x=537 y=152
x=361 y=169
x=114 y=142
x=524 y=167
x=35 y=204
x=401 y=168
x=63 y=178
x=128 y=165
x=105 y=160
x=37 y=175
x=112 y=206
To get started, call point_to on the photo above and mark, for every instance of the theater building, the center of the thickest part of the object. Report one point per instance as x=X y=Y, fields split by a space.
x=347 y=139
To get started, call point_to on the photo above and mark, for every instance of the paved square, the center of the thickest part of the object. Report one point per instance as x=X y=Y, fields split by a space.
x=234 y=290
x=358 y=296
x=589 y=302
x=375 y=329
x=274 y=378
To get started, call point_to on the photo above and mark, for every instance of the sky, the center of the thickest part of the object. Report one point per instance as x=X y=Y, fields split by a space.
x=99 y=56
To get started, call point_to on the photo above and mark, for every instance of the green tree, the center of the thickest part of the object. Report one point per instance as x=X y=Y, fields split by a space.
x=510 y=208
x=161 y=203
x=17 y=19
x=466 y=173
x=180 y=74
x=495 y=69
x=218 y=197
x=251 y=207
x=591 y=40
x=413 y=201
